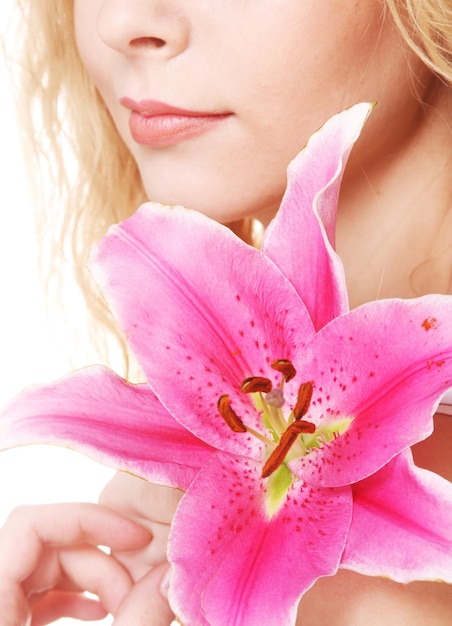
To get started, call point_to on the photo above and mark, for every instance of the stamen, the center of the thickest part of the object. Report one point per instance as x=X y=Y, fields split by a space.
x=287 y=440
x=230 y=416
x=303 y=400
x=285 y=367
x=255 y=384
x=235 y=423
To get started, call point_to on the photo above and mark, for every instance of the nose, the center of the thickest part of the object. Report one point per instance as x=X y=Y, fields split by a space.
x=144 y=27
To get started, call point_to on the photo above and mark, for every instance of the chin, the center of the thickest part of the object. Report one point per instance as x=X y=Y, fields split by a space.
x=223 y=204
x=215 y=208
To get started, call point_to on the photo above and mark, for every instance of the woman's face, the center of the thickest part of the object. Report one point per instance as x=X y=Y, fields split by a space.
x=250 y=80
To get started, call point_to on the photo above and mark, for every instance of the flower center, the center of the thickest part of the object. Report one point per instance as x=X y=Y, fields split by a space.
x=288 y=437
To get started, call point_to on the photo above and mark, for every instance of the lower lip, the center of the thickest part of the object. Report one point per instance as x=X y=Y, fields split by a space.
x=160 y=131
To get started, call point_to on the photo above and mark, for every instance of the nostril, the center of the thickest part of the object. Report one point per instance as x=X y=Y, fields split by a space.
x=147 y=42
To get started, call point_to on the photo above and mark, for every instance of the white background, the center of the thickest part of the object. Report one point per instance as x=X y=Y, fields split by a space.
x=28 y=351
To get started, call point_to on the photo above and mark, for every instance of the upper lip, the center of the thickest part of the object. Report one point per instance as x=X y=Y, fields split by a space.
x=152 y=108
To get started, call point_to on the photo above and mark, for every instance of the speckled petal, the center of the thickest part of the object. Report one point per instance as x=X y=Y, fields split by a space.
x=402 y=524
x=386 y=364
x=99 y=414
x=301 y=238
x=202 y=311
x=231 y=564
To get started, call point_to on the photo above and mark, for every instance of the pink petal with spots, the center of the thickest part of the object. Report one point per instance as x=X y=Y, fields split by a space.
x=386 y=364
x=113 y=422
x=402 y=524
x=231 y=564
x=301 y=238
x=202 y=311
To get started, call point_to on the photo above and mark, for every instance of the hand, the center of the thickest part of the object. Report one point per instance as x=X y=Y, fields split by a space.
x=49 y=557
x=153 y=507
x=145 y=604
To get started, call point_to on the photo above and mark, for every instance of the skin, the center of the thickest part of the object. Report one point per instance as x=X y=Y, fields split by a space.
x=50 y=556
x=246 y=67
x=280 y=69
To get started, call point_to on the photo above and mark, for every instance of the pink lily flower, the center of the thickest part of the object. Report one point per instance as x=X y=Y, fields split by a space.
x=286 y=418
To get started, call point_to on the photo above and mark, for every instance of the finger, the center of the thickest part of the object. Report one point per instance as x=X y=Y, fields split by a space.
x=57 y=604
x=139 y=562
x=145 y=605
x=149 y=504
x=14 y=605
x=28 y=528
x=84 y=568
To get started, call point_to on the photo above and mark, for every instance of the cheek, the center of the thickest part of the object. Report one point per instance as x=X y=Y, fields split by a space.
x=305 y=63
x=92 y=51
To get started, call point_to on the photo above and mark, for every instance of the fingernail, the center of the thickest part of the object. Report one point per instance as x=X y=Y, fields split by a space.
x=164 y=585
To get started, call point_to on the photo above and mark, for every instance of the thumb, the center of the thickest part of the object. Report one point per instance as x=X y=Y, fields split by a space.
x=145 y=605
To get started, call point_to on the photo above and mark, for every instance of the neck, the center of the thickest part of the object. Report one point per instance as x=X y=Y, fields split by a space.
x=395 y=211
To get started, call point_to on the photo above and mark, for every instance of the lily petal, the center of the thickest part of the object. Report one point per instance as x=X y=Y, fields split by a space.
x=113 y=422
x=301 y=238
x=402 y=524
x=386 y=365
x=241 y=566
x=201 y=312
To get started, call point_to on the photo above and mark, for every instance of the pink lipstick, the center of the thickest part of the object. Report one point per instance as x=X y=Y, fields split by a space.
x=159 y=125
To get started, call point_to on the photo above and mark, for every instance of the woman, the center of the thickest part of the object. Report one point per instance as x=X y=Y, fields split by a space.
x=205 y=105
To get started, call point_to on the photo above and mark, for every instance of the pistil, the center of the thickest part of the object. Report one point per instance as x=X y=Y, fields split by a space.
x=284 y=432
x=289 y=434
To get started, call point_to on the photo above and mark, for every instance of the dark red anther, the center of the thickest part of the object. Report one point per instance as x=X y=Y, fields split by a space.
x=302 y=426
x=255 y=384
x=285 y=367
x=287 y=440
x=229 y=415
x=303 y=400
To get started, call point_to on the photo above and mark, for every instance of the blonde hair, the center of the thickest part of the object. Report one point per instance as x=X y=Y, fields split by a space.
x=426 y=26
x=65 y=116
x=74 y=145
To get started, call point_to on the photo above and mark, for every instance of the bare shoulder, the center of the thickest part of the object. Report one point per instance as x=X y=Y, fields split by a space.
x=350 y=599
x=435 y=452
